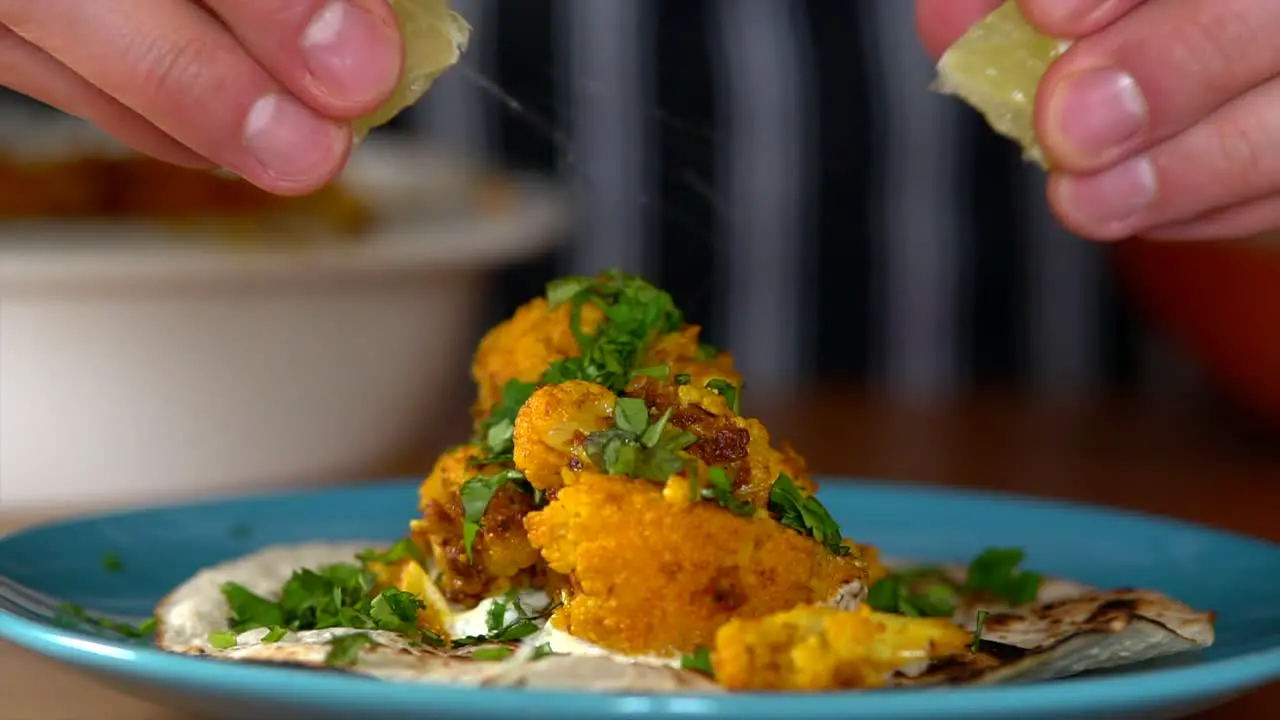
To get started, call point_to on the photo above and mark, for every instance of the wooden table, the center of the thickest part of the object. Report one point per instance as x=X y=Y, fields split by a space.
x=1181 y=458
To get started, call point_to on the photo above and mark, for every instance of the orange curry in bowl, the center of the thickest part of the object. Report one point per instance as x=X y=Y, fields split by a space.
x=141 y=188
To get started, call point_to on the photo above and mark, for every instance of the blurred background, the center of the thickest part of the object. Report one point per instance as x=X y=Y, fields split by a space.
x=884 y=268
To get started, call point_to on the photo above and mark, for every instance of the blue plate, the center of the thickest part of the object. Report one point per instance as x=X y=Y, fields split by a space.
x=1236 y=576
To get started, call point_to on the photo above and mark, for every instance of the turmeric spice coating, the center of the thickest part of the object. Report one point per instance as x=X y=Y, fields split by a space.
x=822 y=648
x=652 y=573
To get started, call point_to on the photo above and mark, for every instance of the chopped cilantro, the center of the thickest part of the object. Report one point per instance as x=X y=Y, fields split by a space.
x=913 y=595
x=805 y=514
x=71 y=614
x=497 y=427
x=720 y=489
x=274 y=635
x=621 y=452
x=403 y=548
x=543 y=650
x=249 y=610
x=344 y=651
x=496 y=618
x=476 y=495
x=111 y=562
x=726 y=390
x=995 y=572
x=661 y=372
x=631 y=414
x=223 y=640
x=706 y=352
x=978 y=627
x=395 y=610
x=636 y=313
x=684 y=379
x=497 y=652
x=652 y=435
x=333 y=596
x=699 y=661
x=565 y=289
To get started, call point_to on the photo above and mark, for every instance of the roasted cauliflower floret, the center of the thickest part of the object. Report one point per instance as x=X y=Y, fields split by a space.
x=652 y=573
x=525 y=345
x=683 y=353
x=552 y=426
x=501 y=553
x=822 y=648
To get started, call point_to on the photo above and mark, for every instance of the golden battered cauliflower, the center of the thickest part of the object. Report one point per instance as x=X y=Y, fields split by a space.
x=552 y=426
x=501 y=553
x=652 y=573
x=682 y=351
x=524 y=346
x=822 y=648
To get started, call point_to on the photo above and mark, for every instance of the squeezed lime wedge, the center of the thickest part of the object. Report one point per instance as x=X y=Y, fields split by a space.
x=434 y=39
x=996 y=67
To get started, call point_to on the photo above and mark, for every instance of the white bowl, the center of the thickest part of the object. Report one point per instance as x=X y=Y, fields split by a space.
x=136 y=368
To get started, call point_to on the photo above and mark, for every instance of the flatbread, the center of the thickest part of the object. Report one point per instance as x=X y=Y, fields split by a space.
x=186 y=617
x=1070 y=629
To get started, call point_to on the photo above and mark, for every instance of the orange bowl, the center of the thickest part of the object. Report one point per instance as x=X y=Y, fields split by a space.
x=1220 y=301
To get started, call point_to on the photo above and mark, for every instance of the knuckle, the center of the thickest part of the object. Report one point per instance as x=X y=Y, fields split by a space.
x=178 y=65
x=1240 y=147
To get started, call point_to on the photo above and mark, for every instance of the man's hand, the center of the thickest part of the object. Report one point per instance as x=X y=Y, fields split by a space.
x=1162 y=120
x=260 y=87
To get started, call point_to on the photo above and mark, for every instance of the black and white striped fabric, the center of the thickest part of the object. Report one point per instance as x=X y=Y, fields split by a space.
x=782 y=166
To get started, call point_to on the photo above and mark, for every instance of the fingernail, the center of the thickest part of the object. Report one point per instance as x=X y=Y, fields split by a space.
x=1095 y=112
x=1059 y=12
x=353 y=55
x=1109 y=201
x=289 y=140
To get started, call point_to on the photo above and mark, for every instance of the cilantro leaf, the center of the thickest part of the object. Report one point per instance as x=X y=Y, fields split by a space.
x=661 y=372
x=395 y=610
x=496 y=618
x=492 y=654
x=565 y=289
x=631 y=414
x=923 y=597
x=706 y=351
x=70 y=614
x=699 y=661
x=476 y=494
x=403 y=548
x=805 y=514
x=274 y=635
x=515 y=393
x=249 y=610
x=344 y=651
x=223 y=640
x=720 y=489
x=684 y=379
x=653 y=434
x=543 y=650
x=995 y=572
x=726 y=390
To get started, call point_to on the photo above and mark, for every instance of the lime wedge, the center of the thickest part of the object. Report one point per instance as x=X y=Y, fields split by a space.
x=995 y=68
x=434 y=39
